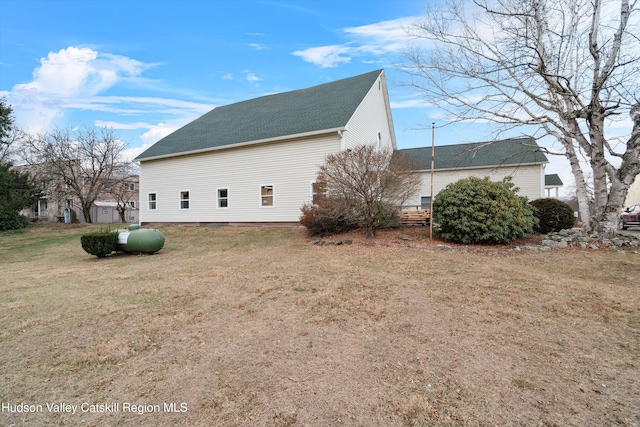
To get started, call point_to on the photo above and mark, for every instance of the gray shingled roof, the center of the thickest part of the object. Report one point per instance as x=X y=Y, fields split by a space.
x=553 y=180
x=480 y=154
x=323 y=107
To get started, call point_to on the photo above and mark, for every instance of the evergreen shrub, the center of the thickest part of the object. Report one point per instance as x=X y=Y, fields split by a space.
x=475 y=210
x=99 y=243
x=553 y=215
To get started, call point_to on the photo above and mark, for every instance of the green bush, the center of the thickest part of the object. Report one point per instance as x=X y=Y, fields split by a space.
x=12 y=220
x=99 y=243
x=474 y=210
x=552 y=214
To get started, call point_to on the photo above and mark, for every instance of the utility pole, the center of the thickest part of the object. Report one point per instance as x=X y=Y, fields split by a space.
x=433 y=137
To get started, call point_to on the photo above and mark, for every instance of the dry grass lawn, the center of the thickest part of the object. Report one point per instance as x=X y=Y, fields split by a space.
x=258 y=327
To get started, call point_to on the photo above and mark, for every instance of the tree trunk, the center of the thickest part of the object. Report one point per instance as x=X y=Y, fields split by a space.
x=87 y=212
x=122 y=211
x=581 y=184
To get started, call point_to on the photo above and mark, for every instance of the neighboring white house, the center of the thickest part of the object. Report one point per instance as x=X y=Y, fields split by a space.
x=519 y=158
x=255 y=162
x=552 y=185
x=633 y=196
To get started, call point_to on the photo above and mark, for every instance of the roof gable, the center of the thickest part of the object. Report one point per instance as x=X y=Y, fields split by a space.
x=323 y=107
x=505 y=152
x=553 y=180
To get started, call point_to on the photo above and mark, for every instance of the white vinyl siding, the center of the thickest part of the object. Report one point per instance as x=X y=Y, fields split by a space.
x=527 y=178
x=371 y=118
x=288 y=166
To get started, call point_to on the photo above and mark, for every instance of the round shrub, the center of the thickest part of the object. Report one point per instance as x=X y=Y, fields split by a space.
x=12 y=220
x=474 y=210
x=552 y=214
x=100 y=243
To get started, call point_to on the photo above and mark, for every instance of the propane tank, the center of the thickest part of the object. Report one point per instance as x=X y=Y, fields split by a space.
x=136 y=239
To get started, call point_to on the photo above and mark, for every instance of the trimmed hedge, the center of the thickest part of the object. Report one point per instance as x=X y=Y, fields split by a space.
x=99 y=243
x=475 y=210
x=12 y=220
x=553 y=215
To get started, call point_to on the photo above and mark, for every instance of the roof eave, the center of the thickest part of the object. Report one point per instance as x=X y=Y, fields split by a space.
x=485 y=167
x=243 y=144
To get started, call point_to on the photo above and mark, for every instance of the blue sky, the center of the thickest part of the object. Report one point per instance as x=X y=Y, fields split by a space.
x=146 y=68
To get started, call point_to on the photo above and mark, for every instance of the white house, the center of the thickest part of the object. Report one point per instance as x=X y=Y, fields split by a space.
x=518 y=158
x=255 y=162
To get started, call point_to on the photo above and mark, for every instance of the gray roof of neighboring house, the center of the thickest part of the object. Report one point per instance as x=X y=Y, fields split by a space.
x=515 y=151
x=323 y=107
x=553 y=180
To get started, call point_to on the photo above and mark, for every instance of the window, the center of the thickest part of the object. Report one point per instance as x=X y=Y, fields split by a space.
x=266 y=195
x=223 y=198
x=105 y=211
x=132 y=203
x=132 y=219
x=425 y=202
x=152 y=201
x=184 y=200
x=318 y=189
x=68 y=203
x=130 y=186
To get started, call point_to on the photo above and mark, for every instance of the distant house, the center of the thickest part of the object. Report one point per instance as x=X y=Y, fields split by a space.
x=519 y=158
x=59 y=204
x=255 y=162
x=552 y=183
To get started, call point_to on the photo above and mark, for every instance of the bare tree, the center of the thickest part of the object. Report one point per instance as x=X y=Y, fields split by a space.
x=123 y=189
x=365 y=179
x=570 y=68
x=87 y=161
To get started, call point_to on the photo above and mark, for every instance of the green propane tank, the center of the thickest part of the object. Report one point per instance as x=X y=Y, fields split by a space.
x=136 y=239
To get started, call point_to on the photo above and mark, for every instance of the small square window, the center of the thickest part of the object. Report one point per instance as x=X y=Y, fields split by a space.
x=184 y=200
x=105 y=211
x=223 y=198
x=266 y=195
x=152 y=201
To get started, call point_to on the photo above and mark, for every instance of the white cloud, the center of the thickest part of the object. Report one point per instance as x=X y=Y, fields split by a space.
x=372 y=39
x=123 y=126
x=227 y=76
x=251 y=77
x=410 y=103
x=326 y=56
x=257 y=46
x=70 y=73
